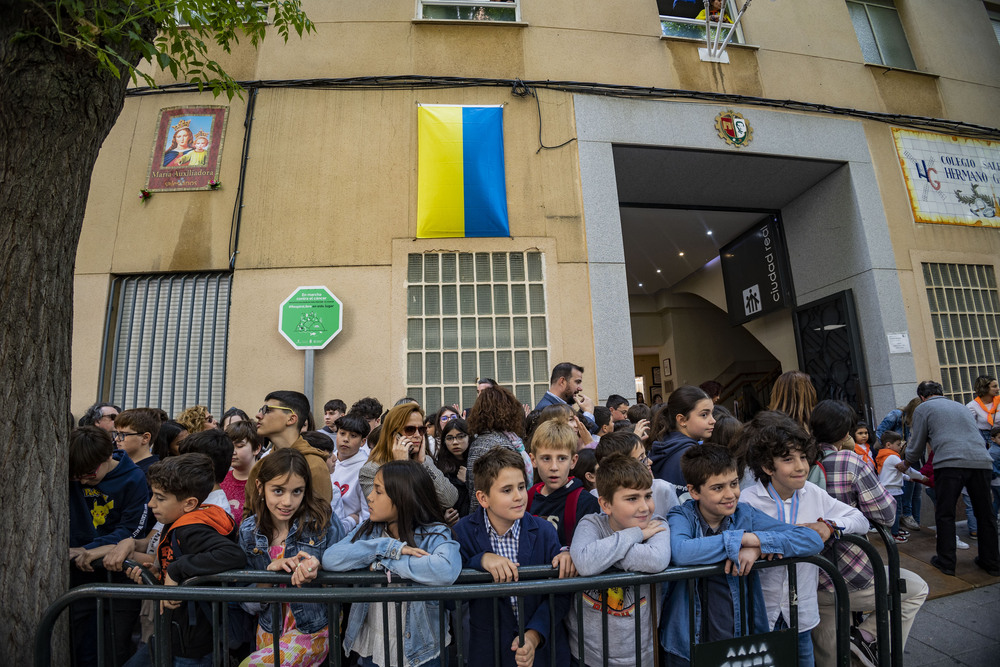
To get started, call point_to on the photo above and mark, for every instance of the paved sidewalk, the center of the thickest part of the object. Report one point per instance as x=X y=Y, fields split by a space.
x=959 y=629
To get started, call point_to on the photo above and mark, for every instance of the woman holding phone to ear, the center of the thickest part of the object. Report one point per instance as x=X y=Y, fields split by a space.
x=404 y=437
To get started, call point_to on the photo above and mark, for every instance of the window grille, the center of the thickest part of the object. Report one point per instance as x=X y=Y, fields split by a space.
x=880 y=33
x=470 y=10
x=165 y=341
x=471 y=316
x=965 y=313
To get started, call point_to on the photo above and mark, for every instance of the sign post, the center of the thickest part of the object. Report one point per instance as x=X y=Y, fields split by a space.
x=309 y=319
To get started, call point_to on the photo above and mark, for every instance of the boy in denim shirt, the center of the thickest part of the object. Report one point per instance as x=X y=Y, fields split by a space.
x=713 y=527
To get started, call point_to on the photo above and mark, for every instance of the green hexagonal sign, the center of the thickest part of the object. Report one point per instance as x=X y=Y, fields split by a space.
x=310 y=318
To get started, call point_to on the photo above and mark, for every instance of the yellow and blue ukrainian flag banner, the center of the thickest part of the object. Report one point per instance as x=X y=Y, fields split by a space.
x=461 y=189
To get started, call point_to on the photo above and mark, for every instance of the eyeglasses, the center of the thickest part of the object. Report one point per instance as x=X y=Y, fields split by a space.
x=643 y=458
x=448 y=417
x=456 y=438
x=408 y=431
x=264 y=409
x=112 y=416
x=119 y=436
x=90 y=475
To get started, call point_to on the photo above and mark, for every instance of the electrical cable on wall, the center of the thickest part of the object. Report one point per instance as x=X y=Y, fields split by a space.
x=517 y=86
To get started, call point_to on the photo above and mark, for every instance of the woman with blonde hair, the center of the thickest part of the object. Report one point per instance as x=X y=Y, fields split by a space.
x=196 y=419
x=404 y=437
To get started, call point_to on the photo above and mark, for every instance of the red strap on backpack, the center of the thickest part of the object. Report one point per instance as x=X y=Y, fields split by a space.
x=569 y=513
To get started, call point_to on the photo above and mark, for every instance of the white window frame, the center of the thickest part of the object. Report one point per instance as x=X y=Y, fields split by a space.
x=698 y=25
x=529 y=386
x=421 y=4
x=884 y=4
x=964 y=306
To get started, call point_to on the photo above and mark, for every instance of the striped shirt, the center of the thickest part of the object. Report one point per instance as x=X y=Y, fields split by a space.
x=505 y=545
x=852 y=481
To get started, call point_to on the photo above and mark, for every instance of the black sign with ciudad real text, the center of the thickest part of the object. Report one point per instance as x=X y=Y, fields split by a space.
x=756 y=273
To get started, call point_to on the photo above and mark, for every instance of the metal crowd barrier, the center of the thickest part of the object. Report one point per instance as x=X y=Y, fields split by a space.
x=335 y=590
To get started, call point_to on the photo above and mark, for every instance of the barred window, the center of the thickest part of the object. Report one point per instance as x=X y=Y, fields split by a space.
x=165 y=343
x=965 y=313
x=471 y=316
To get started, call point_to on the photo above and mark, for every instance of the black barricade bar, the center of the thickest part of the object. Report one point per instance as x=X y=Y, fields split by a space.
x=333 y=590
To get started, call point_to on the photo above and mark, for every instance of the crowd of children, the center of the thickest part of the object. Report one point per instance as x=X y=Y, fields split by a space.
x=493 y=493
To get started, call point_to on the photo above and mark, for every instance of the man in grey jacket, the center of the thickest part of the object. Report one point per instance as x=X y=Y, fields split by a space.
x=959 y=460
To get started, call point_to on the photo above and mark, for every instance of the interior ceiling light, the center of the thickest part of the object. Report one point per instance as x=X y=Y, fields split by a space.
x=659 y=271
x=640 y=284
x=680 y=254
x=709 y=232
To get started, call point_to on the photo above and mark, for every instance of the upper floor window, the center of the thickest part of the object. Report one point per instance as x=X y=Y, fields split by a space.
x=880 y=33
x=470 y=10
x=994 y=20
x=686 y=18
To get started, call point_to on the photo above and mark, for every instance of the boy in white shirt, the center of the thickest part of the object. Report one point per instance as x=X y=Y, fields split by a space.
x=352 y=453
x=780 y=453
x=887 y=465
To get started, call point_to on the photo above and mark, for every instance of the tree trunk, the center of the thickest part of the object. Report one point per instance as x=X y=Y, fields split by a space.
x=56 y=108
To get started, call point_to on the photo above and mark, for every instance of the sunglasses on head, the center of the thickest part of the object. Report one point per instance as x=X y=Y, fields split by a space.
x=408 y=431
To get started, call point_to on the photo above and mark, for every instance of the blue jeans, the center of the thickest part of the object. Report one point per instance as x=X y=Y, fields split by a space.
x=970 y=516
x=899 y=514
x=911 y=499
x=806 y=658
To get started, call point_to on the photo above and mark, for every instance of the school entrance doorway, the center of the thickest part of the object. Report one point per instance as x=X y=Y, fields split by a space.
x=679 y=210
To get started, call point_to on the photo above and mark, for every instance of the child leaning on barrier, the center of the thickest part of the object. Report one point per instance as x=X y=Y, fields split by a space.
x=287 y=528
x=780 y=453
x=629 y=536
x=713 y=528
x=405 y=534
x=197 y=539
x=499 y=538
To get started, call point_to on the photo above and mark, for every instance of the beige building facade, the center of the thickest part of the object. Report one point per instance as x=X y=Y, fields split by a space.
x=614 y=166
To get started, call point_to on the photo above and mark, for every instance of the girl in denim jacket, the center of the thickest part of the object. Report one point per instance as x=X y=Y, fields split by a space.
x=405 y=535
x=287 y=529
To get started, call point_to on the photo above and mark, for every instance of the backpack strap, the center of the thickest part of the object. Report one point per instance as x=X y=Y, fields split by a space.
x=569 y=514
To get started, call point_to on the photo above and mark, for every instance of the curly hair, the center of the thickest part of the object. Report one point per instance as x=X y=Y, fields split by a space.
x=496 y=410
x=983 y=383
x=194 y=419
x=771 y=435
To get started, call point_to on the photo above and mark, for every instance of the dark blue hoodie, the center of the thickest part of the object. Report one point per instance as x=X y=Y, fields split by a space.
x=666 y=457
x=110 y=511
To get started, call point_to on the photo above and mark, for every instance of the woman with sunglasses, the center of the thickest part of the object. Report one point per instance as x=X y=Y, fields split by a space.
x=403 y=437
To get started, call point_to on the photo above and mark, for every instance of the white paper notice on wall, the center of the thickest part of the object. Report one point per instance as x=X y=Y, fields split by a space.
x=899 y=343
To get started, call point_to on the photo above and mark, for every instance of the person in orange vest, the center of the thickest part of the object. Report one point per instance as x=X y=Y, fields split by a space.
x=984 y=406
x=861 y=446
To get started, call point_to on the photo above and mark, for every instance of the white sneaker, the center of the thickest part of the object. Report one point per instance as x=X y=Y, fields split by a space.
x=959 y=544
x=909 y=522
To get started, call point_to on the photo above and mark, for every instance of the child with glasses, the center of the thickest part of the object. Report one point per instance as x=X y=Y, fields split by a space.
x=280 y=419
x=452 y=458
x=404 y=437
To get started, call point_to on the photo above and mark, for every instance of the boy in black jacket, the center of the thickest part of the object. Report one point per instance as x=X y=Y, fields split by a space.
x=558 y=498
x=107 y=503
x=197 y=539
